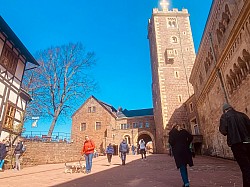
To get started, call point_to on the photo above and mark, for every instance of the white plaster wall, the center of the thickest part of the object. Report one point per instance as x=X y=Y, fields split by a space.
x=1 y=116
x=2 y=86
x=12 y=97
x=19 y=70
x=17 y=83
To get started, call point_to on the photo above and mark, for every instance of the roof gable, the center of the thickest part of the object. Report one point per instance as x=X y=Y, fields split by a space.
x=107 y=107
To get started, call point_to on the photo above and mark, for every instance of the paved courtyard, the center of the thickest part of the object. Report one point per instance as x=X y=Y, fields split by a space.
x=156 y=171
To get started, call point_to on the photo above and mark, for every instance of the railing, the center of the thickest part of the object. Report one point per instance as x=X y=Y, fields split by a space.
x=42 y=136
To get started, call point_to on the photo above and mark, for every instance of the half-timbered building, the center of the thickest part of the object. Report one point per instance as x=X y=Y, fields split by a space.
x=13 y=99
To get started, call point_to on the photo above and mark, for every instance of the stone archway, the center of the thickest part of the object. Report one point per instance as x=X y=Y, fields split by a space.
x=147 y=137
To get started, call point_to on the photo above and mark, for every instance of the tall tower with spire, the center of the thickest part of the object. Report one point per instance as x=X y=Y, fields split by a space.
x=172 y=58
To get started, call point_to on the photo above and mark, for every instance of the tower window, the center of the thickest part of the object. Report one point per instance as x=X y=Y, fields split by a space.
x=191 y=107
x=176 y=74
x=174 y=39
x=169 y=56
x=180 y=98
x=171 y=22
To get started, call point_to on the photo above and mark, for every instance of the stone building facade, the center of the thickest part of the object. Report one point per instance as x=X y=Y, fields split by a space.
x=172 y=58
x=104 y=124
x=221 y=72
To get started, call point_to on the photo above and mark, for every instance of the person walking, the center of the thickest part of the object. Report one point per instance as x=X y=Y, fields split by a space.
x=2 y=154
x=180 y=139
x=18 y=152
x=123 y=149
x=236 y=126
x=133 y=149
x=142 y=145
x=109 y=152
x=88 y=152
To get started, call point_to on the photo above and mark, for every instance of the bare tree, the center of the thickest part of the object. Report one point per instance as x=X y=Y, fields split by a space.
x=61 y=80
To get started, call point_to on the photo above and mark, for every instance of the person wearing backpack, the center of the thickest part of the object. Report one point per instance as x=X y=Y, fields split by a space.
x=123 y=149
x=143 y=149
x=18 y=152
x=109 y=152
x=88 y=152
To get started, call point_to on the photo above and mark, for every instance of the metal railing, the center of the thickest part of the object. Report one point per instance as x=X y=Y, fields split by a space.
x=43 y=136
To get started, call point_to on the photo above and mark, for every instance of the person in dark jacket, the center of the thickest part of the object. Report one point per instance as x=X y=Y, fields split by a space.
x=180 y=139
x=2 y=154
x=123 y=149
x=18 y=152
x=109 y=152
x=236 y=126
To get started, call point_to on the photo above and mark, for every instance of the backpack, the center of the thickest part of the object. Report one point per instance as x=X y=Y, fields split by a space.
x=23 y=149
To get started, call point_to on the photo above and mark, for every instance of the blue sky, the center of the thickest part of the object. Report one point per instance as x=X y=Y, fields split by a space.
x=115 y=30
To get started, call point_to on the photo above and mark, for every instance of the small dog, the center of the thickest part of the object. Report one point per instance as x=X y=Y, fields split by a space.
x=74 y=168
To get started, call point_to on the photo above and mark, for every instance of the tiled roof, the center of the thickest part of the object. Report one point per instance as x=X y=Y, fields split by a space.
x=137 y=113
x=4 y=27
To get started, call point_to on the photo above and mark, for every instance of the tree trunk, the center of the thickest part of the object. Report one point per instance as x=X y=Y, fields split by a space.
x=52 y=126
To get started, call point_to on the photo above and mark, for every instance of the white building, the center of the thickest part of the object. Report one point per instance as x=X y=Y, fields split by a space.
x=13 y=99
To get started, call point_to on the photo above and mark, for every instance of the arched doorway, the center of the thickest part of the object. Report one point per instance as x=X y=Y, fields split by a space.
x=149 y=140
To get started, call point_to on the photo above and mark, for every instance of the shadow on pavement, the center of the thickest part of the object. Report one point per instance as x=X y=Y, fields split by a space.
x=136 y=173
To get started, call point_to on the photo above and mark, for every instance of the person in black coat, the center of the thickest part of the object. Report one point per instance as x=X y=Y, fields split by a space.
x=180 y=140
x=236 y=126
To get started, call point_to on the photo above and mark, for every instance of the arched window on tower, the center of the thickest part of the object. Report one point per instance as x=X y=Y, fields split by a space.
x=174 y=39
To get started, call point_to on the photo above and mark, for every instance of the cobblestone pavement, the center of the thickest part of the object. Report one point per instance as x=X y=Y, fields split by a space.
x=156 y=171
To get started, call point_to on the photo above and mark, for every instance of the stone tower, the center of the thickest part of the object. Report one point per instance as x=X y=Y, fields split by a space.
x=172 y=58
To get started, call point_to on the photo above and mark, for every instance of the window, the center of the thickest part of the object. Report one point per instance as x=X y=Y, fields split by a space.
x=147 y=124
x=83 y=127
x=97 y=125
x=124 y=126
x=9 y=59
x=174 y=39
x=9 y=116
x=140 y=124
x=191 y=107
x=169 y=56
x=89 y=109
x=171 y=23
x=135 y=125
x=196 y=129
x=176 y=74
x=180 y=98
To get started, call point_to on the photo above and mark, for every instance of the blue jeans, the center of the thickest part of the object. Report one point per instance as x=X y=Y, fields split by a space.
x=184 y=175
x=88 y=158
x=1 y=163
